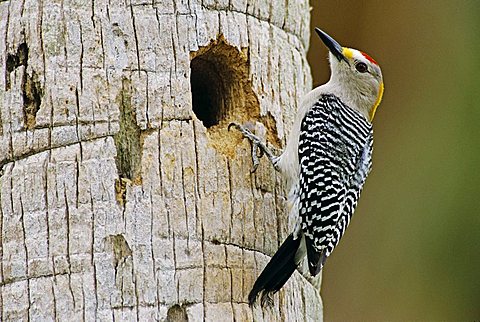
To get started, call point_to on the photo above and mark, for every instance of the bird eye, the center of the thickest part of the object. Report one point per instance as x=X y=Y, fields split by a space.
x=361 y=67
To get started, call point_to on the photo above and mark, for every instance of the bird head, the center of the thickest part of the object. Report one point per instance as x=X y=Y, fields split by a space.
x=356 y=77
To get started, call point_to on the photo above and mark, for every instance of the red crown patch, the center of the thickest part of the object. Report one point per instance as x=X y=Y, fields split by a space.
x=369 y=58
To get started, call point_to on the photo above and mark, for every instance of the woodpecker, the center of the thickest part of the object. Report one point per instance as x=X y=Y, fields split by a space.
x=326 y=161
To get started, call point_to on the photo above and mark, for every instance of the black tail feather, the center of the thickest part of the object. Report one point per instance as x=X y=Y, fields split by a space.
x=314 y=257
x=277 y=272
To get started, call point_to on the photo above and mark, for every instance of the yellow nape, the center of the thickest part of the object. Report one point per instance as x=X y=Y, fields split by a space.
x=347 y=52
x=377 y=102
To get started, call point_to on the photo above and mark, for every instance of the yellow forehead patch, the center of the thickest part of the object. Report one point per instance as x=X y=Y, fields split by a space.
x=347 y=52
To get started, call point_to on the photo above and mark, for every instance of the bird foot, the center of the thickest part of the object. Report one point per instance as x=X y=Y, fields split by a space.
x=258 y=147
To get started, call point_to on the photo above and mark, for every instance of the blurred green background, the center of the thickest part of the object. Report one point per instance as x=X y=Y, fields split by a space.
x=412 y=251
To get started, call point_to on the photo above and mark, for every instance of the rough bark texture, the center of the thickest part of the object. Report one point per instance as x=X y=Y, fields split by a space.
x=117 y=201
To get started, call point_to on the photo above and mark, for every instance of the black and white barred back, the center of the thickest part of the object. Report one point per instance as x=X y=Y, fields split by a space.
x=335 y=154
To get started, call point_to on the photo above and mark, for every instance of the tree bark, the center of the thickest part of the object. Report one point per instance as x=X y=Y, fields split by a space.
x=122 y=194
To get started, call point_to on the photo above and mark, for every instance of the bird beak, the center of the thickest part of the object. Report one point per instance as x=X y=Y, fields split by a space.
x=332 y=45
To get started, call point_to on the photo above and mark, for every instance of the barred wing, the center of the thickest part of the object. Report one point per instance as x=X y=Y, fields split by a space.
x=335 y=149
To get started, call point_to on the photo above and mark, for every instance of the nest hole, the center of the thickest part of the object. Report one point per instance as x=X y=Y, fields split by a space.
x=208 y=91
x=220 y=85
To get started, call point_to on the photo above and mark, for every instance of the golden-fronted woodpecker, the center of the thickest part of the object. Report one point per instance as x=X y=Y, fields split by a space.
x=326 y=161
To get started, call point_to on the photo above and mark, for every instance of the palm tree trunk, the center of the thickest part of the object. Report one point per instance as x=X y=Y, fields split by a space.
x=122 y=194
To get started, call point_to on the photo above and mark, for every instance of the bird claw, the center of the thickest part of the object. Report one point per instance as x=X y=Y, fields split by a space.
x=255 y=157
x=232 y=124
x=257 y=151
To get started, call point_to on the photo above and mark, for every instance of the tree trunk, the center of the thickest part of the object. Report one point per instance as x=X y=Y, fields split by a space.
x=123 y=195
